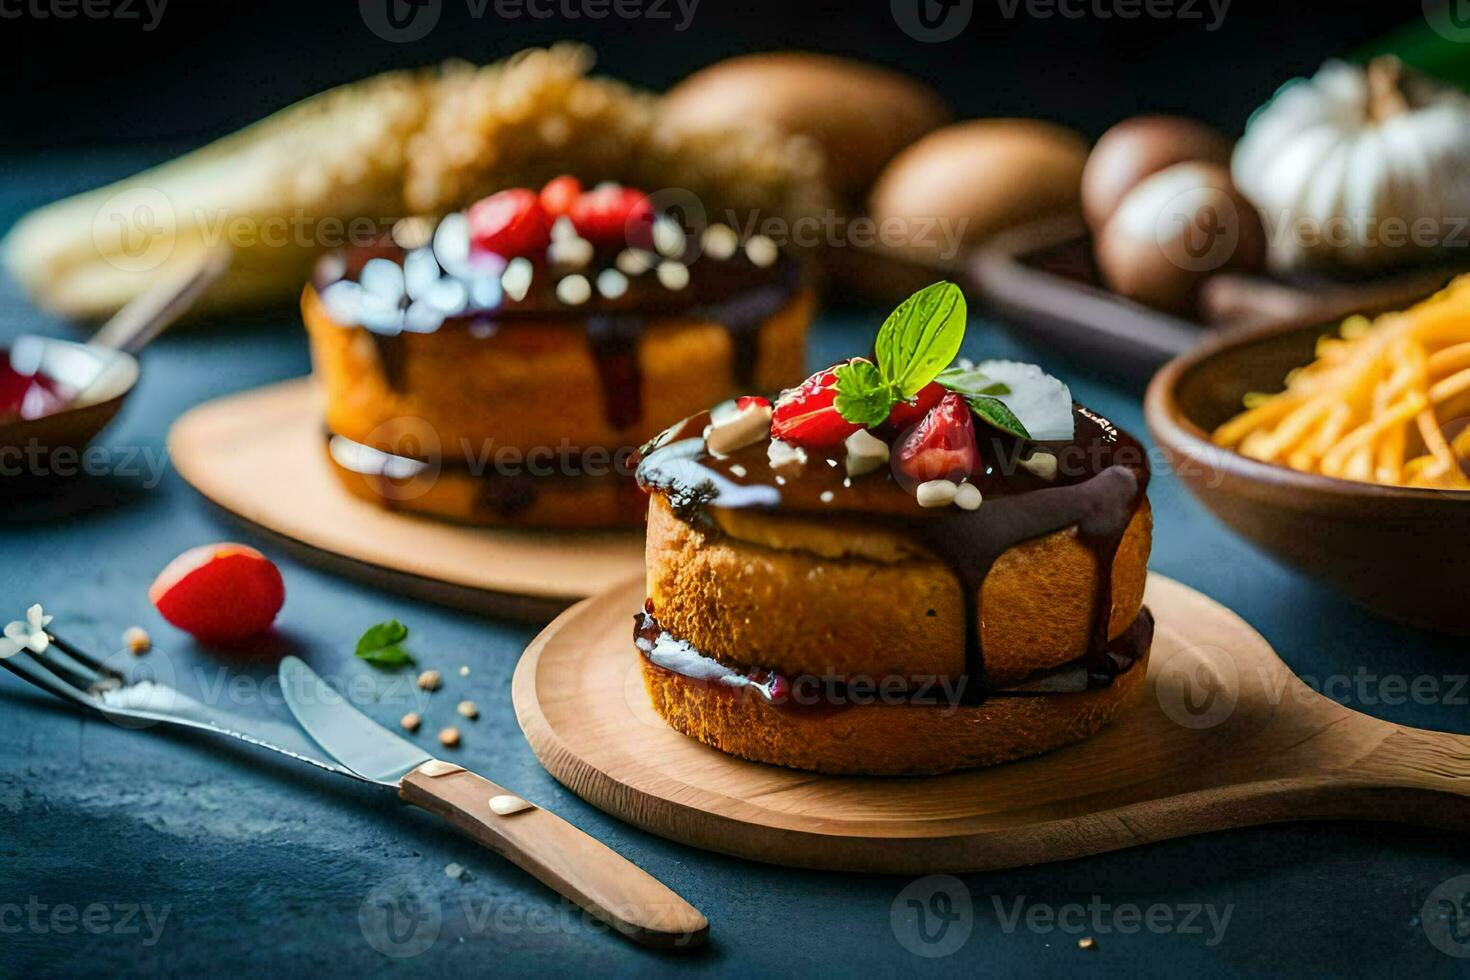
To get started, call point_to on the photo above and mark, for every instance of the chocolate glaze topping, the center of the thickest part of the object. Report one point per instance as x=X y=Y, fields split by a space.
x=1102 y=477
x=394 y=293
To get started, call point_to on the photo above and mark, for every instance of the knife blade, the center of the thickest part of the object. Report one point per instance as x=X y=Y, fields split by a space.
x=605 y=884
x=351 y=737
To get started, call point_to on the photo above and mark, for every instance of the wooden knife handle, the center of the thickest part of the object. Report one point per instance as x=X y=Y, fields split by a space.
x=577 y=866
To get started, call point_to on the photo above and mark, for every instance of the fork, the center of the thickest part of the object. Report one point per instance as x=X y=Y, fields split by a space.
x=82 y=679
x=603 y=882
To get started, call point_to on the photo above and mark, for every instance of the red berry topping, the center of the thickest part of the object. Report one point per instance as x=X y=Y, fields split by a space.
x=806 y=416
x=941 y=446
x=613 y=215
x=510 y=224
x=904 y=415
x=219 y=593
x=751 y=401
x=559 y=194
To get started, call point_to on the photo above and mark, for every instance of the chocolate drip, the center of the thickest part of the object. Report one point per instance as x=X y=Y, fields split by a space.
x=969 y=543
x=615 y=341
x=734 y=292
x=1101 y=481
x=742 y=317
x=390 y=357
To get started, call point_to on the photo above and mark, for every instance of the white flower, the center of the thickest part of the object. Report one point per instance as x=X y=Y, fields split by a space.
x=27 y=635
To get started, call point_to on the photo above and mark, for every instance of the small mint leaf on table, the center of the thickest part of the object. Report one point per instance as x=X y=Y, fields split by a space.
x=863 y=397
x=380 y=645
x=921 y=337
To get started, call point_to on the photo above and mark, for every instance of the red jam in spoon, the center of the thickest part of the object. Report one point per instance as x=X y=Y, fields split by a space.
x=26 y=393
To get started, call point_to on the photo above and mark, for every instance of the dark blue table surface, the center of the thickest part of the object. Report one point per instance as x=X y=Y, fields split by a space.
x=150 y=851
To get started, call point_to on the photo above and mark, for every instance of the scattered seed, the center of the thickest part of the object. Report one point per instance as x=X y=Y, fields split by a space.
x=827 y=496
x=936 y=493
x=739 y=430
x=668 y=238
x=468 y=709
x=430 y=680
x=761 y=251
x=612 y=283
x=516 y=279
x=572 y=252
x=865 y=453
x=455 y=871
x=1086 y=942
x=1043 y=465
x=136 y=639
x=410 y=722
x=563 y=229
x=967 y=497
x=464 y=671
x=634 y=261
x=449 y=737
x=720 y=242
x=574 y=290
x=673 y=275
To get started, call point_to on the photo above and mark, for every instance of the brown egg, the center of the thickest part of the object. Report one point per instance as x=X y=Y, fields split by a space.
x=961 y=184
x=859 y=114
x=1173 y=230
x=1138 y=147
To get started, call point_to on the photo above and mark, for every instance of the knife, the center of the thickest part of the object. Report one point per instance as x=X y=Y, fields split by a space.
x=569 y=861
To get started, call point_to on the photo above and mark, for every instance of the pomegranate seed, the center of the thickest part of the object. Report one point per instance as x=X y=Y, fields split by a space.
x=219 y=593
x=904 y=415
x=940 y=447
x=807 y=416
x=511 y=224
x=559 y=194
x=614 y=215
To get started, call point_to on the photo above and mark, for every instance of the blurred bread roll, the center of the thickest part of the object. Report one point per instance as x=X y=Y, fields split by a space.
x=860 y=115
x=961 y=184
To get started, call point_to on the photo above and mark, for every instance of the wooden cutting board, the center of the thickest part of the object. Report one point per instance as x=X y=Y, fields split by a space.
x=1223 y=736
x=260 y=456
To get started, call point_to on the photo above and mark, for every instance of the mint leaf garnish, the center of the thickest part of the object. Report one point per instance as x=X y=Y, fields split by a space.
x=863 y=397
x=993 y=412
x=380 y=645
x=921 y=337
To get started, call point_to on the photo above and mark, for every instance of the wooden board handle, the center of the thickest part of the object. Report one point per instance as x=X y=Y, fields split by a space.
x=1415 y=759
x=577 y=866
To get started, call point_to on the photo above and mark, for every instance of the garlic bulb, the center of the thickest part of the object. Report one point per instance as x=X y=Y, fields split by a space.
x=1358 y=168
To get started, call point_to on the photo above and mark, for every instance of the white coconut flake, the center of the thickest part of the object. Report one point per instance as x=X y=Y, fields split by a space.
x=784 y=454
x=1040 y=401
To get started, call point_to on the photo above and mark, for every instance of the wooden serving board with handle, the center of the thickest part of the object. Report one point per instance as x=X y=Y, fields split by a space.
x=1224 y=735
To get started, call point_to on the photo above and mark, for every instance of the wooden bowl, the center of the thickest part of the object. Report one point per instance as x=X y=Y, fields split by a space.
x=1398 y=551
